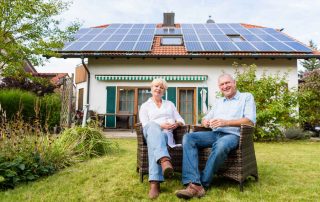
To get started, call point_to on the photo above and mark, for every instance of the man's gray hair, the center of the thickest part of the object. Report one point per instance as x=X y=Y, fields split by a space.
x=226 y=75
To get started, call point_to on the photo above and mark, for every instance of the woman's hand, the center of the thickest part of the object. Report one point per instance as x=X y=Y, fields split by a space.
x=169 y=126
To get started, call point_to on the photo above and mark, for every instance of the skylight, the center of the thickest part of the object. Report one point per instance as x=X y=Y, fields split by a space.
x=235 y=38
x=171 y=41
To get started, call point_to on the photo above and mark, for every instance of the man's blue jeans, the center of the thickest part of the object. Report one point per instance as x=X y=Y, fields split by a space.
x=157 y=148
x=221 y=143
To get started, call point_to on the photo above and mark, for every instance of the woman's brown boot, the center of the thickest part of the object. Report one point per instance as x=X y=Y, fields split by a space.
x=154 y=189
x=167 y=169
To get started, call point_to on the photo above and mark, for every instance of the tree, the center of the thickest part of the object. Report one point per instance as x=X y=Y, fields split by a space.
x=30 y=29
x=309 y=97
x=312 y=63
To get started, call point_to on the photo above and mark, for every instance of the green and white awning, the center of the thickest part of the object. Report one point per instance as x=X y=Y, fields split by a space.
x=151 y=77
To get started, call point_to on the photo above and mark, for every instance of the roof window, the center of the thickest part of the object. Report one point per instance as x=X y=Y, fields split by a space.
x=235 y=38
x=171 y=41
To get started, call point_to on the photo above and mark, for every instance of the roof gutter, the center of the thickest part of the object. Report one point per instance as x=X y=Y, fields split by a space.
x=103 y=55
x=88 y=82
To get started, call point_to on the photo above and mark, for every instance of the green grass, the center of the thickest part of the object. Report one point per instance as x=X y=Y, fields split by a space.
x=288 y=172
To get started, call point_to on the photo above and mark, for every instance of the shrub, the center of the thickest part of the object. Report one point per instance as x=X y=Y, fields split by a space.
x=276 y=103
x=84 y=143
x=30 y=107
x=295 y=133
x=309 y=96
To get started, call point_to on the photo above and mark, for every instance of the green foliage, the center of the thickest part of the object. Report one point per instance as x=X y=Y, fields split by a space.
x=276 y=104
x=17 y=77
x=85 y=142
x=309 y=98
x=29 y=107
x=30 y=29
x=295 y=133
x=312 y=63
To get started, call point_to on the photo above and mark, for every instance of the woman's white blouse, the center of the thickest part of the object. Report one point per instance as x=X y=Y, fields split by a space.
x=150 y=112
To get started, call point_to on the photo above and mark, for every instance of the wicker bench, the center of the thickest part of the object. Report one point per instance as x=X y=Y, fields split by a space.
x=240 y=164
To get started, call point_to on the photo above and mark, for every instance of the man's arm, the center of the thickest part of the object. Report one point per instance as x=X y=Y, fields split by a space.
x=214 y=123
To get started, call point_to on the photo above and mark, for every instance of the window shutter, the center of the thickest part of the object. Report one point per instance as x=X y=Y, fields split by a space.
x=111 y=106
x=172 y=95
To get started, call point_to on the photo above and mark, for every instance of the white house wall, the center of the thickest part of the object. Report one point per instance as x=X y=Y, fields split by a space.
x=168 y=66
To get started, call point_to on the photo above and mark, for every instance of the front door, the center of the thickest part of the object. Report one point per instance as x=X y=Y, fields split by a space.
x=186 y=104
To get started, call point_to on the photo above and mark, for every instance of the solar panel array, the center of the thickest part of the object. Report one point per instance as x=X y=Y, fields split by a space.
x=210 y=37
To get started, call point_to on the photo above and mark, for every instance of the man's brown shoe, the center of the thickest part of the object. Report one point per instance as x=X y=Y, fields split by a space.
x=191 y=191
x=167 y=169
x=154 y=189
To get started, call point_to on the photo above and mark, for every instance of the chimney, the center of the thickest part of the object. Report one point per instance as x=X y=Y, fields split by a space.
x=168 y=19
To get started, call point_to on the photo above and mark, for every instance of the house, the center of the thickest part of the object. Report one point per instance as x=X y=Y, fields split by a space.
x=124 y=58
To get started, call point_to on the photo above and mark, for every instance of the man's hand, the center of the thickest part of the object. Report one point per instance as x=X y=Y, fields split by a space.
x=205 y=123
x=215 y=123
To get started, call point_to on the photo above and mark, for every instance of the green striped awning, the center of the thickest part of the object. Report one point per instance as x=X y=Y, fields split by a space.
x=151 y=77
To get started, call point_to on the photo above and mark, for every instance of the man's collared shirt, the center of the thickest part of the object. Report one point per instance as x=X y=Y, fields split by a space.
x=241 y=105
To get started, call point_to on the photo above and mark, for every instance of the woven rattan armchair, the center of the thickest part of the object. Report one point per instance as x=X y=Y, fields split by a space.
x=175 y=153
x=241 y=162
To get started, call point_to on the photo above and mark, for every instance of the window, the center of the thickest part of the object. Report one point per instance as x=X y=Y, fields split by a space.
x=186 y=104
x=235 y=38
x=171 y=41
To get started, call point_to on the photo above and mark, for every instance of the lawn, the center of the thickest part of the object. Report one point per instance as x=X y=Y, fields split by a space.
x=288 y=171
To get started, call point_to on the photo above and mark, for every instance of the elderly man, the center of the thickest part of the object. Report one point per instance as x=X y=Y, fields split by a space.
x=228 y=113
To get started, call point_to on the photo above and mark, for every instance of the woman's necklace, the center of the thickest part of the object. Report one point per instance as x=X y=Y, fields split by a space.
x=158 y=103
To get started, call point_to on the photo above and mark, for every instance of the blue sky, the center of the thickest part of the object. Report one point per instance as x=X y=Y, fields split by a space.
x=299 y=18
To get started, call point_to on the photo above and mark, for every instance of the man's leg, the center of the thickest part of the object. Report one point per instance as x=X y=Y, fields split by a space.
x=157 y=148
x=220 y=151
x=191 y=143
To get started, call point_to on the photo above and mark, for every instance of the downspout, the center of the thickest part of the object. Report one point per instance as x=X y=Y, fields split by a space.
x=88 y=82
x=86 y=106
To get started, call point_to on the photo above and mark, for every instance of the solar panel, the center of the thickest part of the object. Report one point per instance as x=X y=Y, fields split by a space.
x=215 y=31
x=135 y=31
x=229 y=31
x=75 y=46
x=280 y=46
x=109 y=46
x=251 y=38
x=282 y=37
x=221 y=38
x=210 y=46
x=266 y=37
x=101 y=37
x=92 y=46
x=116 y=37
x=199 y=26
x=188 y=31
x=223 y=26
x=142 y=46
x=206 y=38
x=202 y=31
x=190 y=38
x=298 y=47
x=262 y=46
x=228 y=46
x=245 y=46
x=146 y=38
x=137 y=26
x=197 y=37
x=87 y=37
x=131 y=38
x=256 y=31
x=193 y=46
x=126 y=46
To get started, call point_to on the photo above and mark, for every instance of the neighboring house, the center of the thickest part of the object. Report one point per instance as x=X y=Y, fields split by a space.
x=124 y=58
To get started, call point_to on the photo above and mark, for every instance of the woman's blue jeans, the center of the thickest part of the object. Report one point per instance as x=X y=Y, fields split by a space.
x=221 y=143
x=157 y=148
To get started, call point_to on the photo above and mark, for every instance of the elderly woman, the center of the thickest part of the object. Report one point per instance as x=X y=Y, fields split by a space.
x=158 y=117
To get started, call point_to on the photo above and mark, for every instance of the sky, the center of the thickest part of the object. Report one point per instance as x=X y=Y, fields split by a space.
x=299 y=18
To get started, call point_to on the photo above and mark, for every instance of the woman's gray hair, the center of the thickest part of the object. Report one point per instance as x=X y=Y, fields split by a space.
x=160 y=81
